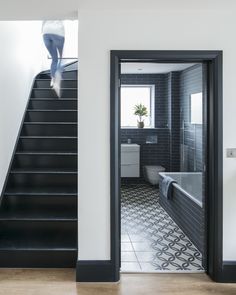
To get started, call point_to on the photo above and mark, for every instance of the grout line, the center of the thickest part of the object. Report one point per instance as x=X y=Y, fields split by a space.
x=135 y=252
x=130 y=239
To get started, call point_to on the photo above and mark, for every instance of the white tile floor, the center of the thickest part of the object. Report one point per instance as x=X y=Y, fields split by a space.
x=150 y=240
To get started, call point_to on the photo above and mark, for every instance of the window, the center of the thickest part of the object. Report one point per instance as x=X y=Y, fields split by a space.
x=196 y=108
x=136 y=94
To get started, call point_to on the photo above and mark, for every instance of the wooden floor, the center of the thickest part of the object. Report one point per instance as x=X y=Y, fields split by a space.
x=62 y=282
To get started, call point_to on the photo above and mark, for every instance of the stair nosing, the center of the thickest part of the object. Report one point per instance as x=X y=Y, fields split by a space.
x=54 y=99
x=51 y=110
x=50 y=123
x=48 y=137
x=38 y=249
x=40 y=194
x=38 y=219
x=25 y=171
x=38 y=79
x=50 y=88
x=47 y=153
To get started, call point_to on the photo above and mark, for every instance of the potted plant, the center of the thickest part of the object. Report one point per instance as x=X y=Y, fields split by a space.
x=141 y=111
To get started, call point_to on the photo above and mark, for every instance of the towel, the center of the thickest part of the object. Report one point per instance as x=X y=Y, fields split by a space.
x=166 y=187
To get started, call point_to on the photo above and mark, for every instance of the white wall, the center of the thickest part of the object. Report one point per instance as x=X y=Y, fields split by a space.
x=169 y=24
x=164 y=28
x=71 y=38
x=21 y=58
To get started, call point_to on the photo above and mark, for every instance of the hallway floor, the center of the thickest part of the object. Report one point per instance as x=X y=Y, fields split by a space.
x=62 y=282
x=150 y=240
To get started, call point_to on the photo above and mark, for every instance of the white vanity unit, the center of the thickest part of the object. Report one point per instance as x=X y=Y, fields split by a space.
x=130 y=160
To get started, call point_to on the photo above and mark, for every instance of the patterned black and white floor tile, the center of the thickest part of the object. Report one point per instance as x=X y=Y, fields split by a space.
x=150 y=240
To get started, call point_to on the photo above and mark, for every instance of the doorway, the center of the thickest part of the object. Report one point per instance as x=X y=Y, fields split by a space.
x=212 y=259
x=162 y=148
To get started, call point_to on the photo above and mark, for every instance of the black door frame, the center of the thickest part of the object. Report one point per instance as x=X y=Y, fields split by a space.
x=214 y=165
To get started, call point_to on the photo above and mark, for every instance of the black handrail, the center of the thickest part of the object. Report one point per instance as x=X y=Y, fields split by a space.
x=49 y=57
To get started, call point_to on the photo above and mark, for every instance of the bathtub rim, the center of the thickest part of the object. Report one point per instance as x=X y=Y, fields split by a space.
x=176 y=185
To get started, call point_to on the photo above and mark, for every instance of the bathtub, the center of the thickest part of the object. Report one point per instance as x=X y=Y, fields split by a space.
x=186 y=204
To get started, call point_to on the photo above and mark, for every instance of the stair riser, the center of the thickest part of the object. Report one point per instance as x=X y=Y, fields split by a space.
x=70 y=75
x=65 y=75
x=35 y=234
x=49 y=130
x=42 y=180
x=50 y=93
x=56 y=104
x=44 y=259
x=66 y=201
x=48 y=144
x=51 y=116
x=45 y=161
x=11 y=211
x=64 y=84
x=39 y=227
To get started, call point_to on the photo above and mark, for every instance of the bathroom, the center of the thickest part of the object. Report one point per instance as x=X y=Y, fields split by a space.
x=162 y=137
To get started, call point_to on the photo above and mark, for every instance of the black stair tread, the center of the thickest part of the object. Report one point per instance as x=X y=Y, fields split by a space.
x=47 y=137
x=50 y=88
x=63 y=79
x=36 y=249
x=39 y=218
x=53 y=99
x=48 y=110
x=41 y=212
x=47 y=153
x=50 y=123
x=9 y=244
x=29 y=244
x=36 y=191
x=23 y=245
x=45 y=171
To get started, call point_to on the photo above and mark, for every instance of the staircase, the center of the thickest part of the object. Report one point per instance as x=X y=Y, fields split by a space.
x=38 y=212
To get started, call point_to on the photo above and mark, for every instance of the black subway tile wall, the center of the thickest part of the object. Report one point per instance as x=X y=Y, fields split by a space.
x=151 y=153
x=191 y=135
x=174 y=119
x=179 y=145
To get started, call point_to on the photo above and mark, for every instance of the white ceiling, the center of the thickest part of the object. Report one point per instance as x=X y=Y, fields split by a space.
x=153 y=68
x=57 y=9
x=158 y=5
x=38 y=10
